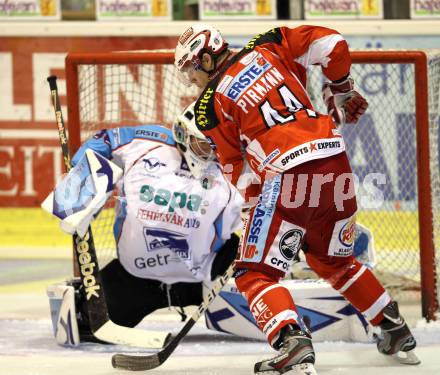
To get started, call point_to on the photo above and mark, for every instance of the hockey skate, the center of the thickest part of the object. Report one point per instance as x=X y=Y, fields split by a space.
x=296 y=357
x=395 y=338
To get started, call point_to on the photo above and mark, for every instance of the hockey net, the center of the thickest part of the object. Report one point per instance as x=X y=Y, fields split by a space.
x=394 y=150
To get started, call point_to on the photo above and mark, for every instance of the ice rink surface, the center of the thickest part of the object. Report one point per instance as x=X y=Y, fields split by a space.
x=27 y=346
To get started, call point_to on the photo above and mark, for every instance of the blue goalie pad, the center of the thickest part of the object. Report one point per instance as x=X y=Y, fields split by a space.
x=328 y=315
x=81 y=194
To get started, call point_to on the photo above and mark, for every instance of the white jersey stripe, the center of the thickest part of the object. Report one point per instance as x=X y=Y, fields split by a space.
x=319 y=50
x=377 y=306
x=275 y=321
x=351 y=281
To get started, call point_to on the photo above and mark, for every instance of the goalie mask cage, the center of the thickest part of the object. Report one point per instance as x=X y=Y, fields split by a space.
x=394 y=150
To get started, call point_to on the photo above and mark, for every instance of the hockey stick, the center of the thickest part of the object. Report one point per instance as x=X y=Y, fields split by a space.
x=148 y=362
x=100 y=324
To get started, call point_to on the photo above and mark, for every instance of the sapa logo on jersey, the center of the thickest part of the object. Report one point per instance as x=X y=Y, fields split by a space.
x=87 y=267
x=247 y=76
x=176 y=199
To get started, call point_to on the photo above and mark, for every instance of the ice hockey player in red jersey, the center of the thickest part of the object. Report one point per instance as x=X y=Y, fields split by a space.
x=255 y=111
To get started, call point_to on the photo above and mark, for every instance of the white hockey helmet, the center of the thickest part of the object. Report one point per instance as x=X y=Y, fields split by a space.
x=192 y=143
x=193 y=42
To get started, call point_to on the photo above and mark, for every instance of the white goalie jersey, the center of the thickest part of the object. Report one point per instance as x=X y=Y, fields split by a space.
x=169 y=225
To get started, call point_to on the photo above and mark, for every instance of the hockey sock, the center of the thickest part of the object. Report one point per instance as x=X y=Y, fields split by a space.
x=270 y=303
x=361 y=288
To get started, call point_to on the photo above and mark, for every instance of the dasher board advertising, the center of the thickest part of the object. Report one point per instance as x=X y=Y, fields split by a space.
x=111 y=10
x=44 y=10
x=343 y=9
x=237 y=9
x=425 y=9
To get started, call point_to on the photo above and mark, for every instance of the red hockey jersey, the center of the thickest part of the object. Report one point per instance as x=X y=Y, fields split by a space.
x=257 y=107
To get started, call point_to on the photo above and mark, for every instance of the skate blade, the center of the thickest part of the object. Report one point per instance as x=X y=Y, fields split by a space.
x=302 y=369
x=406 y=358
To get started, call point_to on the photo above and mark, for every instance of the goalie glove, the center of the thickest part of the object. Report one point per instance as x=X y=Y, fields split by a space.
x=343 y=103
x=82 y=193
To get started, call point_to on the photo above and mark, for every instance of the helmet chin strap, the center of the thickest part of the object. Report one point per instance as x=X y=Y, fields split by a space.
x=216 y=68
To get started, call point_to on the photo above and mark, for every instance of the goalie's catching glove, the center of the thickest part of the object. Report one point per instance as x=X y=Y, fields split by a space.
x=344 y=104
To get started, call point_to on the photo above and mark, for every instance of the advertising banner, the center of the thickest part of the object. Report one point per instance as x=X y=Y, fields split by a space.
x=30 y=154
x=30 y=10
x=343 y=9
x=235 y=10
x=134 y=10
x=425 y=9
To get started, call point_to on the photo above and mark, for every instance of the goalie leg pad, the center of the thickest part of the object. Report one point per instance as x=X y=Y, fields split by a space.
x=63 y=314
x=320 y=308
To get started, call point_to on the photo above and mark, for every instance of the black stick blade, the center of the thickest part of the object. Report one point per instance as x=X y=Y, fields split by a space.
x=135 y=363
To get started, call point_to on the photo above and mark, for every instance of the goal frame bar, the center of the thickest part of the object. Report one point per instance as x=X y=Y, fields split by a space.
x=417 y=58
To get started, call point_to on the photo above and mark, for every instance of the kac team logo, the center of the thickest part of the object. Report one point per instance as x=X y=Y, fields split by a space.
x=290 y=243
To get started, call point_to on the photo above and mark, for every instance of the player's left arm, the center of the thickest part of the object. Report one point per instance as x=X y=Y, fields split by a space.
x=313 y=45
